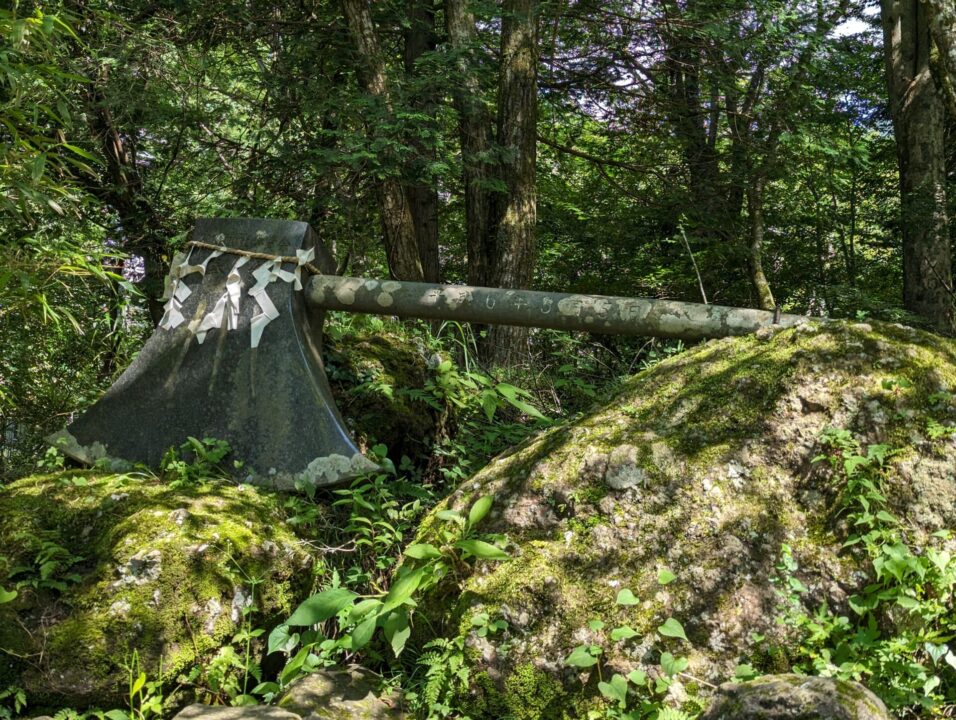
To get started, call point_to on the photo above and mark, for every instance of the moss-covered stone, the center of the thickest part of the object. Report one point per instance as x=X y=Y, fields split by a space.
x=373 y=374
x=138 y=566
x=702 y=465
x=795 y=697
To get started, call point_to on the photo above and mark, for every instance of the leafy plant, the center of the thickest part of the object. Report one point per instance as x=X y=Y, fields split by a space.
x=13 y=700
x=195 y=461
x=445 y=678
x=51 y=567
x=144 y=696
x=380 y=511
x=898 y=637
x=337 y=623
x=636 y=695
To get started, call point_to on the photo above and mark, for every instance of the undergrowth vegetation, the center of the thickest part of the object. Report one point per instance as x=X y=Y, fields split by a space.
x=896 y=634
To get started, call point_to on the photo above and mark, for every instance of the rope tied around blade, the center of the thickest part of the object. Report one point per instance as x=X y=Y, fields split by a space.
x=256 y=255
x=226 y=311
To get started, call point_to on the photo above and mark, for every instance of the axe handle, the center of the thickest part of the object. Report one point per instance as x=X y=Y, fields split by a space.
x=529 y=308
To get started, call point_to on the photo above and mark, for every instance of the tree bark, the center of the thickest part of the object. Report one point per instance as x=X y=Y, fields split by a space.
x=422 y=196
x=400 y=237
x=917 y=109
x=476 y=138
x=941 y=15
x=517 y=140
x=755 y=190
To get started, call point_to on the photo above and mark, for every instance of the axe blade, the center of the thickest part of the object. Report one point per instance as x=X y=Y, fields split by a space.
x=271 y=403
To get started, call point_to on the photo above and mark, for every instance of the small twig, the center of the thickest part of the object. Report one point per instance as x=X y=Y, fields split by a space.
x=700 y=280
x=259 y=255
x=697 y=679
x=347 y=548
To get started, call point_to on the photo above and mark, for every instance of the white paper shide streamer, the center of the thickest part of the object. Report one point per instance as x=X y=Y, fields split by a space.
x=226 y=309
x=177 y=291
x=269 y=272
x=225 y=312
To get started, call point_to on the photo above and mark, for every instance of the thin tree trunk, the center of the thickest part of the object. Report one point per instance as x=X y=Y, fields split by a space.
x=517 y=139
x=475 y=133
x=755 y=191
x=401 y=240
x=423 y=197
x=918 y=121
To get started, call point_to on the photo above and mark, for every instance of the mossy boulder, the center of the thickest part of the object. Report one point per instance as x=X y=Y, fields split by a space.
x=375 y=374
x=795 y=697
x=107 y=564
x=701 y=466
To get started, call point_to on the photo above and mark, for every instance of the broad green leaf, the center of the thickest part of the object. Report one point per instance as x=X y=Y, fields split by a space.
x=422 y=551
x=138 y=684
x=935 y=651
x=321 y=607
x=397 y=630
x=363 y=608
x=615 y=690
x=527 y=409
x=596 y=624
x=265 y=688
x=482 y=549
x=7 y=595
x=638 y=677
x=665 y=576
x=363 y=632
x=672 y=628
x=281 y=640
x=509 y=392
x=626 y=597
x=580 y=657
x=479 y=510
x=403 y=589
x=623 y=633
x=745 y=672
x=672 y=666
x=450 y=516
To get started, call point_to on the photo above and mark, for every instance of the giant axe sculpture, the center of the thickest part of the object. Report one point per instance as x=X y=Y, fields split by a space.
x=237 y=355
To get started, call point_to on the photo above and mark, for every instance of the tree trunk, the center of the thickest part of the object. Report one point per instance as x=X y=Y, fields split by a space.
x=122 y=189
x=422 y=196
x=401 y=240
x=683 y=65
x=918 y=121
x=475 y=133
x=755 y=191
x=517 y=139
x=941 y=15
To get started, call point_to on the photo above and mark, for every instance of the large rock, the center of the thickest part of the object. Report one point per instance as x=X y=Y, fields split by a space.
x=117 y=563
x=795 y=697
x=339 y=695
x=349 y=694
x=242 y=712
x=702 y=466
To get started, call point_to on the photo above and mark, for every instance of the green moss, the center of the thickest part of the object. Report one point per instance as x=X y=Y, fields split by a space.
x=371 y=374
x=527 y=694
x=157 y=570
